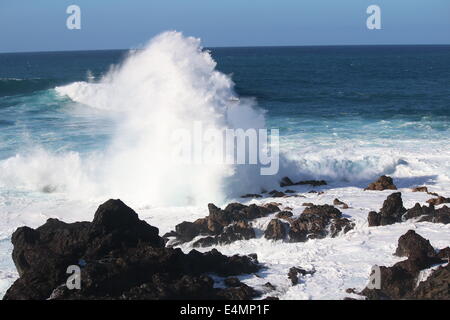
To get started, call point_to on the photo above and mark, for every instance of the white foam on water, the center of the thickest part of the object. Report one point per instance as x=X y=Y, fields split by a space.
x=170 y=84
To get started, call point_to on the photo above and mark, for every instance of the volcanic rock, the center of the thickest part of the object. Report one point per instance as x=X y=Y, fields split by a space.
x=294 y=273
x=120 y=257
x=418 y=211
x=286 y=182
x=251 y=195
x=285 y=215
x=223 y=226
x=237 y=231
x=400 y=280
x=338 y=202
x=383 y=183
x=428 y=214
x=412 y=245
x=277 y=194
x=439 y=200
x=317 y=222
x=391 y=212
x=314 y=183
x=276 y=230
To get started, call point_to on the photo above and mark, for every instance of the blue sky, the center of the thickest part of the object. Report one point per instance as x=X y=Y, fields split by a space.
x=29 y=25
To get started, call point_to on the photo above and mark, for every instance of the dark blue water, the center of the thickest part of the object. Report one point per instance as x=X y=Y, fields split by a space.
x=318 y=94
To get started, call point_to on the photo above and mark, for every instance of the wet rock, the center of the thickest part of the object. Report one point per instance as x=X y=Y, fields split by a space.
x=420 y=189
x=435 y=287
x=237 y=231
x=444 y=254
x=307 y=204
x=374 y=219
x=391 y=212
x=383 y=183
x=187 y=231
x=341 y=225
x=318 y=192
x=441 y=215
x=251 y=195
x=285 y=215
x=412 y=245
x=243 y=292
x=338 y=202
x=392 y=209
x=317 y=222
x=276 y=230
x=286 y=182
x=400 y=280
x=121 y=257
x=439 y=200
x=396 y=282
x=223 y=226
x=323 y=210
x=314 y=183
x=418 y=211
x=269 y=286
x=289 y=191
x=206 y=242
x=295 y=272
x=272 y=206
x=232 y=282
x=429 y=214
x=277 y=194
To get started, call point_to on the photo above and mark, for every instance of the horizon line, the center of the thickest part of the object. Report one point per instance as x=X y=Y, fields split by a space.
x=242 y=47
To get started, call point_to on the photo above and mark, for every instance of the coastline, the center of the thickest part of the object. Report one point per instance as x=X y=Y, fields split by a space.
x=340 y=263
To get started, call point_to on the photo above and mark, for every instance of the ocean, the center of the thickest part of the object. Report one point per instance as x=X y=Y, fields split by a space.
x=78 y=128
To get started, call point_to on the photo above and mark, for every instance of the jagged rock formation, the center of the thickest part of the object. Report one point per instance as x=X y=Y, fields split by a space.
x=393 y=212
x=400 y=280
x=295 y=272
x=383 y=183
x=276 y=230
x=439 y=200
x=287 y=182
x=121 y=257
x=318 y=222
x=222 y=226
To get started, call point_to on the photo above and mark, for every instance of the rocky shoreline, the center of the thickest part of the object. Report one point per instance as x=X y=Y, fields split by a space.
x=123 y=257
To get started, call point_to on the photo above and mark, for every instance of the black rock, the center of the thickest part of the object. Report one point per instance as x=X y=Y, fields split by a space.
x=383 y=183
x=223 y=226
x=294 y=273
x=276 y=230
x=391 y=212
x=400 y=280
x=286 y=182
x=285 y=215
x=412 y=245
x=121 y=257
x=374 y=219
x=317 y=222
